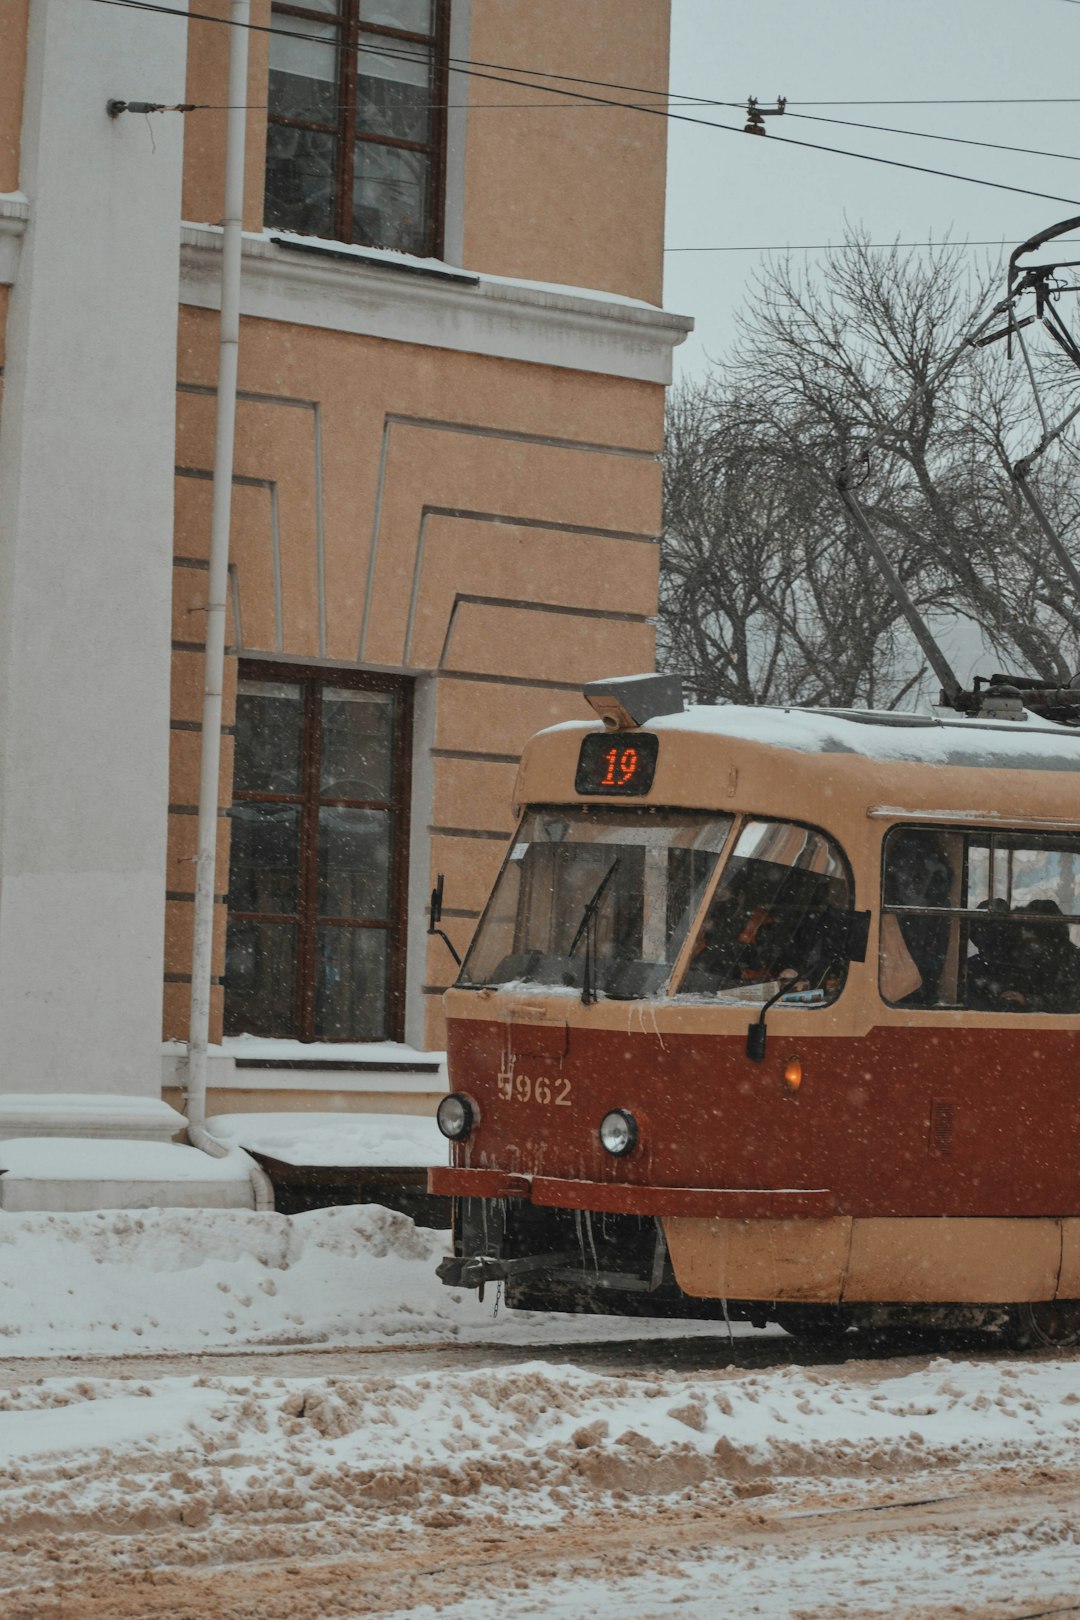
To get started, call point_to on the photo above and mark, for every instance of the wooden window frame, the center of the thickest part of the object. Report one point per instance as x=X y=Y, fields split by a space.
x=307 y=918
x=345 y=131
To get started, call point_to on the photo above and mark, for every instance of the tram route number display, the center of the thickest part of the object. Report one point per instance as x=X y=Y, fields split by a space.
x=548 y=1091
x=617 y=763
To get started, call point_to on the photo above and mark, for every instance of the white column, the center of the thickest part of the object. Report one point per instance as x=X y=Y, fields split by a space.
x=86 y=458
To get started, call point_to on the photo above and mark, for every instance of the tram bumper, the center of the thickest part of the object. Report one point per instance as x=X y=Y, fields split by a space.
x=472 y=1271
x=583 y=1246
x=628 y=1198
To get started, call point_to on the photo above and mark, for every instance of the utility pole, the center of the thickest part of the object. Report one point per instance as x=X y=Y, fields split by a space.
x=218 y=577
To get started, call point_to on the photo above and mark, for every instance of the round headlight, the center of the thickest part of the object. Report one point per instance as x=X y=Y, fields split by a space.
x=618 y=1132
x=455 y=1116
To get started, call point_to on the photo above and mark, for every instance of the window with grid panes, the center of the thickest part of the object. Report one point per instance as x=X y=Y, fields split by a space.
x=357 y=113
x=315 y=948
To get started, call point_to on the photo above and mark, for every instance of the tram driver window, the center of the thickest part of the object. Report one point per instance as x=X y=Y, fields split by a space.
x=770 y=919
x=605 y=895
x=986 y=921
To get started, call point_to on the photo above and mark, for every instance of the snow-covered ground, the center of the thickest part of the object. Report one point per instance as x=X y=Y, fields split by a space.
x=114 y=1282
x=293 y=1419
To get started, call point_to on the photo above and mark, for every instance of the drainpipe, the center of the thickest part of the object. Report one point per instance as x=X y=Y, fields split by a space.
x=217 y=595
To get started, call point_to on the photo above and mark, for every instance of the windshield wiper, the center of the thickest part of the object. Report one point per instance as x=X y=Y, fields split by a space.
x=588 y=989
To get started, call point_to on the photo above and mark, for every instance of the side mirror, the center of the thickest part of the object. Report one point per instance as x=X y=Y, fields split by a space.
x=435 y=917
x=846 y=934
x=858 y=935
x=435 y=914
x=756 y=1035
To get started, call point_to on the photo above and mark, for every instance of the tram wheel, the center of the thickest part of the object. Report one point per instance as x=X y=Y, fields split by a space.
x=814 y=1324
x=1052 y=1324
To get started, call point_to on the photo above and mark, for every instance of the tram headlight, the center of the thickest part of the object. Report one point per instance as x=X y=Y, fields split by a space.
x=618 y=1132
x=455 y=1116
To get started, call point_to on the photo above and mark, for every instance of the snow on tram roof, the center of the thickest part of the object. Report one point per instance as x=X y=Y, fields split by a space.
x=1030 y=744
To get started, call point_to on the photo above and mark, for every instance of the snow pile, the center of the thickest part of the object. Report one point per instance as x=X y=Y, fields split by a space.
x=535 y=1427
x=116 y=1281
x=525 y=1440
x=374 y=1141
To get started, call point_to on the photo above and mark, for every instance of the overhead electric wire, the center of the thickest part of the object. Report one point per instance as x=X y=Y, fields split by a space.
x=461 y=63
x=662 y=112
x=820 y=247
x=929 y=135
x=947 y=101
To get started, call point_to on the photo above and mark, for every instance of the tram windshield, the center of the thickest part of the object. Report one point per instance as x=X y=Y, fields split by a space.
x=611 y=893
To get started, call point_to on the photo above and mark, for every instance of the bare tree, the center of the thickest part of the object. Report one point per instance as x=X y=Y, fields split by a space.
x=766 y=595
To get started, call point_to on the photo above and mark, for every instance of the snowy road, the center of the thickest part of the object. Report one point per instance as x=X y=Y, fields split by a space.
x=230 y=1417
x=910 y=1487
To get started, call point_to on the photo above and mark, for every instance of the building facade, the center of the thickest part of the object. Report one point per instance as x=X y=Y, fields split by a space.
x=446 y=494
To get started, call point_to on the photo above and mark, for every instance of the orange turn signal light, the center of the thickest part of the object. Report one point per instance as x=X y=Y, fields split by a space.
x=793 y=1074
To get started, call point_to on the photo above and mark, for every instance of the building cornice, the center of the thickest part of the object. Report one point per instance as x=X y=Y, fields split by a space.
x=14 y=213
x=385 y=296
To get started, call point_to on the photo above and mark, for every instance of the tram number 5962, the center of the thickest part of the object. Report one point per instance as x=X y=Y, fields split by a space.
x=548 y=1092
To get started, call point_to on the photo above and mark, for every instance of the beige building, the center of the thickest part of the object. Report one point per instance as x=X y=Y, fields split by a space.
x=445 y=512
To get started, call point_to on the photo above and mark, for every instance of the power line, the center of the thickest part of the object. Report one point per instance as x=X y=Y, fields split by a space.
x=948 y=101
x=465 y=62
x=661 y=112
x=587 y=103
x=927 y=135
x=446 y=106
x=820 y=247
x=633 y=89
x=458 y=63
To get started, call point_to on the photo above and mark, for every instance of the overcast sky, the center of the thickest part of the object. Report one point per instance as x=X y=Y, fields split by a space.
x=734 y=190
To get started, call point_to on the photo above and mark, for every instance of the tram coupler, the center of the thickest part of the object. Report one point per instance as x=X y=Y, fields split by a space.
x=474 y=1270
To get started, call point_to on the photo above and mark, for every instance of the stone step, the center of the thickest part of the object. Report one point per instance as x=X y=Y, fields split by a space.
x=88 y=1114
x=52 y=1173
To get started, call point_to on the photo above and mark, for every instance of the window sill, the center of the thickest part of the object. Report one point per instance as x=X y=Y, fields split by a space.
x=250 y=1063
x=373 y=292
x=14 y=216
x=380 y=258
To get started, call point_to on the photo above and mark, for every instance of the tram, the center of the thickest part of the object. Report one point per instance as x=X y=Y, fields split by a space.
x=774 y=1015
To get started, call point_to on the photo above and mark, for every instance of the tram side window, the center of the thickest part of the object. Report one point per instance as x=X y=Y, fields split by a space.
x=987 y=921
x=771 y=918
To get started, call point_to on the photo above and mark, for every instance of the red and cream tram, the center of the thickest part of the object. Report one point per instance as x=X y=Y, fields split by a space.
x=775 y=1015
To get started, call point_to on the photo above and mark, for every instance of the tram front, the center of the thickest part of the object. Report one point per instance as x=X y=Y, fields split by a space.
x=610 y=1058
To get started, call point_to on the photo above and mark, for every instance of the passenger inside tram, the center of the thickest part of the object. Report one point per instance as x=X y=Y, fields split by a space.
x=996 y=979
x=1022 y=965
x=767 y=924
x=919 y=875
x=1050 y=962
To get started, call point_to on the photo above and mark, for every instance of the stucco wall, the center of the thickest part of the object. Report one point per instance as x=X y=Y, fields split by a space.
x=488 y=526
x=204 y=129
x=473 y=502
x=572 y=194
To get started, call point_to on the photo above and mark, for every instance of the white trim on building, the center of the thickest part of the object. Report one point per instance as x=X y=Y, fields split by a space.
x=387 y=295
x=86 y=496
